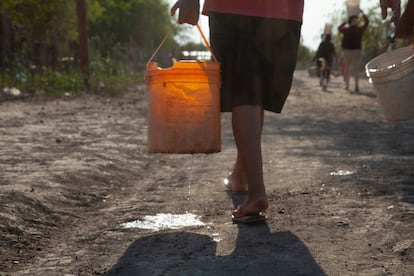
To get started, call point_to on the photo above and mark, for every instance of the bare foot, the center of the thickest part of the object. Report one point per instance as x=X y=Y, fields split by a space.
x=236 y=184
x=251 y=207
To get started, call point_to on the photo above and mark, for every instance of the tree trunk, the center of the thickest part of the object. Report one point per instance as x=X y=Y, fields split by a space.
x=5 y=40
x=83 y=39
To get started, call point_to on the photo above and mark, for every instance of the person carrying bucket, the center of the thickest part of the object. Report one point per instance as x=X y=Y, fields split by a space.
x=256 y=43
x=352 y=48
x=326 y=51
x=404 y=26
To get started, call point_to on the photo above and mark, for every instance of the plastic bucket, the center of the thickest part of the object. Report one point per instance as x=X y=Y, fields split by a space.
x=184 y=107
x=352 y=7
x=392 y=75
x=328 y=29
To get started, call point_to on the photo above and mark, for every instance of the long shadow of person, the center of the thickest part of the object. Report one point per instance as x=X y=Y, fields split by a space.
x=257 y=252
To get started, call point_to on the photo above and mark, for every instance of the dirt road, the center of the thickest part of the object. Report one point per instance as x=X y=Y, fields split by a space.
x=340 y=181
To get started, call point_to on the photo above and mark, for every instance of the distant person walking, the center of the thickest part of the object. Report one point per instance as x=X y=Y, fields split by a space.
x=352 y=48
x=326 y=50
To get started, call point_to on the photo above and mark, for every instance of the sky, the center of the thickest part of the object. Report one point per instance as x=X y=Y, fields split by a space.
x=316 y=14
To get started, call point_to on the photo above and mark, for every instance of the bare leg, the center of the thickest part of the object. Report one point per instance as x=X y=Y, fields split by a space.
x=357 y=66
x=356 y=82
x=247 y=124
x=237 y=179
x=347 y=70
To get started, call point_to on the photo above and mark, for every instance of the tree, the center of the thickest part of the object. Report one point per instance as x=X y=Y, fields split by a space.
x=40 y=32
x=40 y=28
x=131 y=29
x=83 y=39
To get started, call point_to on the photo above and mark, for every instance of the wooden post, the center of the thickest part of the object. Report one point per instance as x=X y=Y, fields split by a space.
x=83 y=39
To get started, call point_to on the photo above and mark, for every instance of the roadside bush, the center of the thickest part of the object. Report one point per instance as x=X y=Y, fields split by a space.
x=106 y=77
x=110 y=77
x=53 y=83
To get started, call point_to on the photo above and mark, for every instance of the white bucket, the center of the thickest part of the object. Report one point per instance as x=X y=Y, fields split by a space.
x=328 y=28
x=392 y=75
x=352 y=7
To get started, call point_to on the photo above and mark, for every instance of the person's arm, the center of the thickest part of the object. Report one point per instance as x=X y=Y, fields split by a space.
x=189 y=11
x=342 y=27
x=394 y=5
x=405 y=26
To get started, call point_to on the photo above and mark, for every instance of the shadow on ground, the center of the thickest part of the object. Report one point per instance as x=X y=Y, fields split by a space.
x=380 y=153
x=257 y=252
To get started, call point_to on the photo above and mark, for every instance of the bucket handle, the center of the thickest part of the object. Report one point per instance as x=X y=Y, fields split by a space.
x=168 y=34
x=384 y=48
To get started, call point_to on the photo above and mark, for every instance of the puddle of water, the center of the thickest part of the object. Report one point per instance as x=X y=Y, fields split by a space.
x=341 y=173
x=216 y=237
x=164 y=221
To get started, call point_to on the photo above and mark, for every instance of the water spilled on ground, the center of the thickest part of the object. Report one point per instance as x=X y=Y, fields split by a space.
x=164 y=221
x=341 y=173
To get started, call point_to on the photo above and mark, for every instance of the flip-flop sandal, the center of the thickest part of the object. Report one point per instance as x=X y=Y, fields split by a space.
x=227 y=184
x=248 y=219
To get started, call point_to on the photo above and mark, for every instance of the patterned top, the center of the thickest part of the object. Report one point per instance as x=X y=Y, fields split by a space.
x=278 y=9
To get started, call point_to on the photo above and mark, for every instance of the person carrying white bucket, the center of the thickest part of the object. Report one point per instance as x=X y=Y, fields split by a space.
x=352 y=48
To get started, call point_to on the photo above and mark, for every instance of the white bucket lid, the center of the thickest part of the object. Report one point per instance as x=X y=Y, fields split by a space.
x=393 y=64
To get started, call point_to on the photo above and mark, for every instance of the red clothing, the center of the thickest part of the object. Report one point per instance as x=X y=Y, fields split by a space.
x=352 y=35
x=278 y=9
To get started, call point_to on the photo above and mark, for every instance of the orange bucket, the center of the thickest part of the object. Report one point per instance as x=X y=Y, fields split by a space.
x=184 y=107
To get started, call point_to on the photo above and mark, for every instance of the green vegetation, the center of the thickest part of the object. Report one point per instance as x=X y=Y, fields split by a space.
x=39 y=50
x=305 y=56
x=40 y=42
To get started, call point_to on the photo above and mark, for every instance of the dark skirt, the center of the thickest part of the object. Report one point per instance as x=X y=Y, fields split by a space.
x=257 y=56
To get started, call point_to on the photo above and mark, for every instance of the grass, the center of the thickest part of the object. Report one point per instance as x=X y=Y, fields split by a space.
x=106 y=77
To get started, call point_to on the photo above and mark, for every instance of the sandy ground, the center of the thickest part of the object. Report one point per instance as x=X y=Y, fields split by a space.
x=340 y=180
